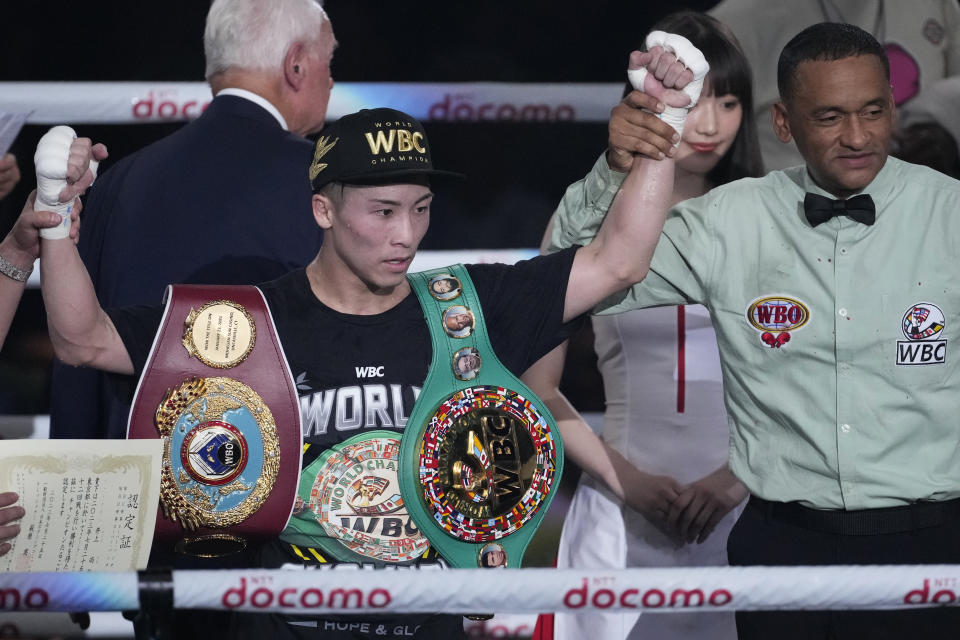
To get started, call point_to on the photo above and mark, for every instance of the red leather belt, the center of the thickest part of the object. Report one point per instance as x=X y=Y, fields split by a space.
x=218 y=390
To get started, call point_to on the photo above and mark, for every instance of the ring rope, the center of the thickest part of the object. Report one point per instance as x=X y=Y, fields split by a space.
x=148 y=102
x=346 y=590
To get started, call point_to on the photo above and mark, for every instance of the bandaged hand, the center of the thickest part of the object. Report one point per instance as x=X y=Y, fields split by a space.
x=672 y=70
x=66 y=166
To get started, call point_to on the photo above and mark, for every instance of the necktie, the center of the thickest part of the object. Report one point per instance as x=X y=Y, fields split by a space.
x=820 y=208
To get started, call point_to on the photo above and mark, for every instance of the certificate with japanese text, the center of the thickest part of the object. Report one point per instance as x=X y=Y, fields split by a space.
x=91 y=505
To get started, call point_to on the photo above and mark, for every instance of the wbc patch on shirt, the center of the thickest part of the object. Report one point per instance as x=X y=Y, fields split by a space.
x=922 y=325
x=775 y=316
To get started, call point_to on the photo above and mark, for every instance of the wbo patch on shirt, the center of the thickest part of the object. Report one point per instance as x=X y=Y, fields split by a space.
x=922 y=324
x=775 y=316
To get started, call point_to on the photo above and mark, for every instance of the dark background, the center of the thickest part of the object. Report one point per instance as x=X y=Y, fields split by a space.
x=516 y=171
x=380 y=40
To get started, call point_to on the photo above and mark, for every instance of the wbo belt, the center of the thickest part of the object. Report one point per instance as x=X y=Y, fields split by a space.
x=217 y=390
x=863 y=522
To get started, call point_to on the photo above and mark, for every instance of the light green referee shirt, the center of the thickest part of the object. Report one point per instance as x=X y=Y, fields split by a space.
x=838 y=343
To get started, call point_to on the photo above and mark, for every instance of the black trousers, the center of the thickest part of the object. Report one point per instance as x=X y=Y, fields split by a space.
x=771 y=534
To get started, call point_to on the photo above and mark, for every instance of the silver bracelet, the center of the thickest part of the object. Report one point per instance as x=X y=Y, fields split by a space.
x=11 y=270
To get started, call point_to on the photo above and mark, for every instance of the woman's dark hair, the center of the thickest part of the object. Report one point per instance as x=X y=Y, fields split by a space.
x=729 y=74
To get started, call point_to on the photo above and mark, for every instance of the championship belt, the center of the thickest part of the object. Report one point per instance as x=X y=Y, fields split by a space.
x=349 y=504
x=218 y=391
x=481 y=456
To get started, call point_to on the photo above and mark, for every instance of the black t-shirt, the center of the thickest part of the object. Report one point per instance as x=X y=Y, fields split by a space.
x=355 y=372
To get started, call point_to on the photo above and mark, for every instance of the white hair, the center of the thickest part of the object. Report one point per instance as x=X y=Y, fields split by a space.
x=255 y=34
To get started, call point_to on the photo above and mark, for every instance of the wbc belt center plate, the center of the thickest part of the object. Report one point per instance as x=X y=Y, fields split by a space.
x=220 y=452
x=487 y=461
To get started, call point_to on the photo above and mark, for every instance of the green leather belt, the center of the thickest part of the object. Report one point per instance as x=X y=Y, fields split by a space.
x=481 y=456
x=349 y=504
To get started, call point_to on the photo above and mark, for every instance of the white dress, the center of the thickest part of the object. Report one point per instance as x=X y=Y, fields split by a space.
x=665 y=413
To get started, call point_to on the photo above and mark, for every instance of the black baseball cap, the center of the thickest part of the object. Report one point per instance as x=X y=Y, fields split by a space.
x=372 y=146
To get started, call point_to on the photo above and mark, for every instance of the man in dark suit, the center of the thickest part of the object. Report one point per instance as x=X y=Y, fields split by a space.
x=193 y=207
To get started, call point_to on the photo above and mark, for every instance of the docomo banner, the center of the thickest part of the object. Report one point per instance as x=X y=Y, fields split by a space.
x=104 y=102
x=95 y=591
x=346 y=590
x=140 y=102
x=569 y=590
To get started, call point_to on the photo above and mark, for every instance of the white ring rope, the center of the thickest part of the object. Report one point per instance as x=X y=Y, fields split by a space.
x=146 y=102
x=346 y=590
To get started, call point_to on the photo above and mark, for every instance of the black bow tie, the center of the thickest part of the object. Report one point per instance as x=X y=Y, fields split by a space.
x=820 y=208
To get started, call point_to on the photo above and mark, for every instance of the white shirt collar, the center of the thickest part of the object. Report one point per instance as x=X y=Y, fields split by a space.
x=256 y=99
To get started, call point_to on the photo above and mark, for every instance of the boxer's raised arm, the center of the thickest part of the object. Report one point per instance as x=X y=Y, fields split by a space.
x=672 y=70
x=81 y=333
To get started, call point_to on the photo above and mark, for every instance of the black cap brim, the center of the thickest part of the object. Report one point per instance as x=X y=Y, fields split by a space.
x=388 y=177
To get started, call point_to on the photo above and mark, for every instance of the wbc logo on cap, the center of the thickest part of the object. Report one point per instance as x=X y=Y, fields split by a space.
x=390 y=134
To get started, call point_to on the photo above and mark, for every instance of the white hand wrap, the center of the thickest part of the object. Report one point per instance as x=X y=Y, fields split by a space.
x=687 y=54
x=53 y=152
